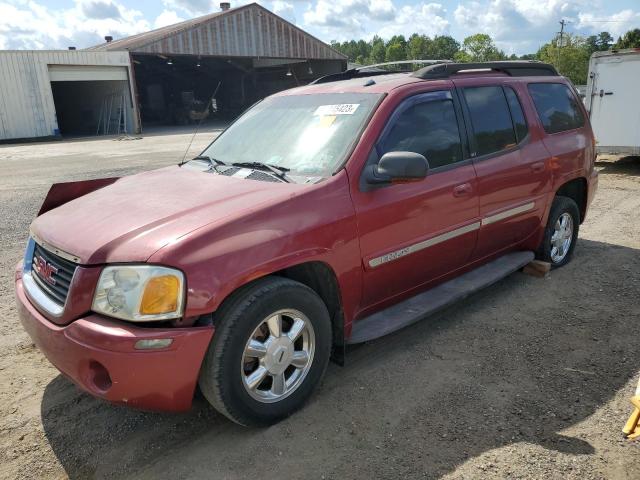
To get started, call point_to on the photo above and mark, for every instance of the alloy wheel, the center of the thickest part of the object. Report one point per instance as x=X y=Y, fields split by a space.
x=561 y=238
x=278 y=356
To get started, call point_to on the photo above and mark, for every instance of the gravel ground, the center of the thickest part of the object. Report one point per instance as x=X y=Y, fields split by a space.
x=528 y=379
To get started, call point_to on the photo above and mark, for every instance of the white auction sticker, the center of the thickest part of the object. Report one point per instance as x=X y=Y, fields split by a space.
x=342 y=109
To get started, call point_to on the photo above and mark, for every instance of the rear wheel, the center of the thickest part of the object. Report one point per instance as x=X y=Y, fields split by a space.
x=270 y=350
x=561 y=233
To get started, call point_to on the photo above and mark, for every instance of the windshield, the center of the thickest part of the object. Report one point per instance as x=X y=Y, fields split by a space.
x=308 y=134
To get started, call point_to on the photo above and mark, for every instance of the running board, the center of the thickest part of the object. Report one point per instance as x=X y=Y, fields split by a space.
x=426 y=303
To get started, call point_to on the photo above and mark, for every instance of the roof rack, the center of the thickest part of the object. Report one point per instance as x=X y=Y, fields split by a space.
x=373 y=70
x=522 y=68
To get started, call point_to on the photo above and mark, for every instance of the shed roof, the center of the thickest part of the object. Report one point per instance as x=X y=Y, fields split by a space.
x=247 y=31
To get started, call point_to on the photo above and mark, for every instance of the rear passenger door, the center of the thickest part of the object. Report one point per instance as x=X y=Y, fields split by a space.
x=511 y=166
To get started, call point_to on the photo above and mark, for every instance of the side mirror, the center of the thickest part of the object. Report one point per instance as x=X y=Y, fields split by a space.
x=398 y=167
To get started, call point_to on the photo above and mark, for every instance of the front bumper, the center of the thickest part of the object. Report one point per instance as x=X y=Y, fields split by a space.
x=99 y=356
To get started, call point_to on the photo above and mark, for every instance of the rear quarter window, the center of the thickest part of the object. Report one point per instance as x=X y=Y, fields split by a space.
x=557 y=107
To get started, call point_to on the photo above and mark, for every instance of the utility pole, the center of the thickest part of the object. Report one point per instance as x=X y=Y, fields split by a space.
x=562 y=24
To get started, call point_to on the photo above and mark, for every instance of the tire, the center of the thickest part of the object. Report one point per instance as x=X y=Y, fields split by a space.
x=226 y=375
x=558 y=253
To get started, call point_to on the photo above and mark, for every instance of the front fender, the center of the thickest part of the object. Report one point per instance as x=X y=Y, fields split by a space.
x=317 y=226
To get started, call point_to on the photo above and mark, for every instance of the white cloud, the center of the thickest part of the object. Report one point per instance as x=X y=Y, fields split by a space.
x=616 y=24
x=285 y=9
x=426 y=18
x=100 y=9
x=167 y=17
x=349 y=18
x=30 y=25
x=518 y=26
x=192 y=7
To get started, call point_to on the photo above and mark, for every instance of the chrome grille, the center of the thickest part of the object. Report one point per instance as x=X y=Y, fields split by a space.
x=52 y=273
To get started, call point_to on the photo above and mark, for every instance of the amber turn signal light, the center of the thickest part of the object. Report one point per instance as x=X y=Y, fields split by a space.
x=160 y=295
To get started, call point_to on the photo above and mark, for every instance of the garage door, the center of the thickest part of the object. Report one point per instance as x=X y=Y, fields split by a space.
x=83 y=73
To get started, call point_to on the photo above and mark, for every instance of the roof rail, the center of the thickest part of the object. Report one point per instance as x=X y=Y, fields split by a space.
x=376 y=69
x=515 y=68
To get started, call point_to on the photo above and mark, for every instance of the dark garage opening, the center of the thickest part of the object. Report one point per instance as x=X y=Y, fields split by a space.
x=176 y=90
x=95 y=107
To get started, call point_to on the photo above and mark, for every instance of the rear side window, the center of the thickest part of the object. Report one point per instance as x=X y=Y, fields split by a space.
x=519 y=122
x=490 y=118
x=557 y=107
x=429 y=128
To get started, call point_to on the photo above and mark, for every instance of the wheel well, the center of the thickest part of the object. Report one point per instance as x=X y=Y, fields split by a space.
x=320 y=278
x=576 y=190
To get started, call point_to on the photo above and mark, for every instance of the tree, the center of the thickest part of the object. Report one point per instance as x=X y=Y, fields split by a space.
x=479 y=48
x=443 y=47
x=378 y=50
x=571 y=58
x=395 y=53
x=631 y=39
x=599 y=43
x=418 y=47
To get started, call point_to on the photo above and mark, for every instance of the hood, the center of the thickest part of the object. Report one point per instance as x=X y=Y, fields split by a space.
x=136 y=216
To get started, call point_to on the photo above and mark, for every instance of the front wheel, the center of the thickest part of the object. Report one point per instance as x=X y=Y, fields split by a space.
x=561 y=233
x=270 y=350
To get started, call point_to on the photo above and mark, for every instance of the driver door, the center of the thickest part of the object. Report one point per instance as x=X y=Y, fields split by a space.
x=414 y=233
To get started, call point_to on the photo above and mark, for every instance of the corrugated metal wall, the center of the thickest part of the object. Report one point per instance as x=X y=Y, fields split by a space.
x=251 y=31
x=26 y=101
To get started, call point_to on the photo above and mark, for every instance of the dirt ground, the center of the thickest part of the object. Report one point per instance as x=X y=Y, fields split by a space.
x=528 y=379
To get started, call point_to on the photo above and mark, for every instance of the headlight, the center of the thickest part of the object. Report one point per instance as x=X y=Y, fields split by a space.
x=140 y=293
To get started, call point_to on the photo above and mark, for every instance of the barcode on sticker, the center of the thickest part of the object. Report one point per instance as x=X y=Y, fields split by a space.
x=341 y=109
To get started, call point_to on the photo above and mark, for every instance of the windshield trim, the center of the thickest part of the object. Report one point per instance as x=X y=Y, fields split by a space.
x=358 y=136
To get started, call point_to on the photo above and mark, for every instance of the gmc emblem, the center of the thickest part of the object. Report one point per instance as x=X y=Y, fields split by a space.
x=45 y=269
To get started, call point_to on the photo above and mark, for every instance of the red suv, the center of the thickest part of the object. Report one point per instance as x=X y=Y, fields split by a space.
x=325 y=215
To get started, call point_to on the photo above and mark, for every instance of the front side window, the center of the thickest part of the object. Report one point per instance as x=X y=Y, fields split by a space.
x=490 y=118
x=428 y=127
x=310 y=135
x=557 y=107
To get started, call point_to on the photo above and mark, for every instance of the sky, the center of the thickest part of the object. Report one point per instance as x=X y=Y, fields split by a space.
x=517 y=26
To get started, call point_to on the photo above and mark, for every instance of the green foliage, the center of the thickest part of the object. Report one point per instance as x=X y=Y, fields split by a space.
x=398 y=48
x=479 y=48
x=378 y=51
x=418 y=47
x=395 y=53
x=631 y=39
x=571 y=58
x=444 y=47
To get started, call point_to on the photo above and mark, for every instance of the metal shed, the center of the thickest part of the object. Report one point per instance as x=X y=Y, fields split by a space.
x=49 y=93
x=246 y=53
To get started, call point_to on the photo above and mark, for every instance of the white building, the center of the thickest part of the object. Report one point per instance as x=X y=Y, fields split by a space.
x=158 y=77
x=45 y=92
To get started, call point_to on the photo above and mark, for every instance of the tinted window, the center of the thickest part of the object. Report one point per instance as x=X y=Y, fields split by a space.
x=517 y=115
x=429 y=128
x=490 y=118
x=556 y=106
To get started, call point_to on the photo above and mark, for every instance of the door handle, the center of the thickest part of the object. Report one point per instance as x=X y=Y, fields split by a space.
x=538 y=167
x=462 y=190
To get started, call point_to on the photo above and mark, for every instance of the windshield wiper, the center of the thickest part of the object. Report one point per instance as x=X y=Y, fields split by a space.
x=211 y=160
x=280 y=172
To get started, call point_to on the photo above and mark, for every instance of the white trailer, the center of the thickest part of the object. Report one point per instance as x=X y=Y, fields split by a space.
x=613 y=101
